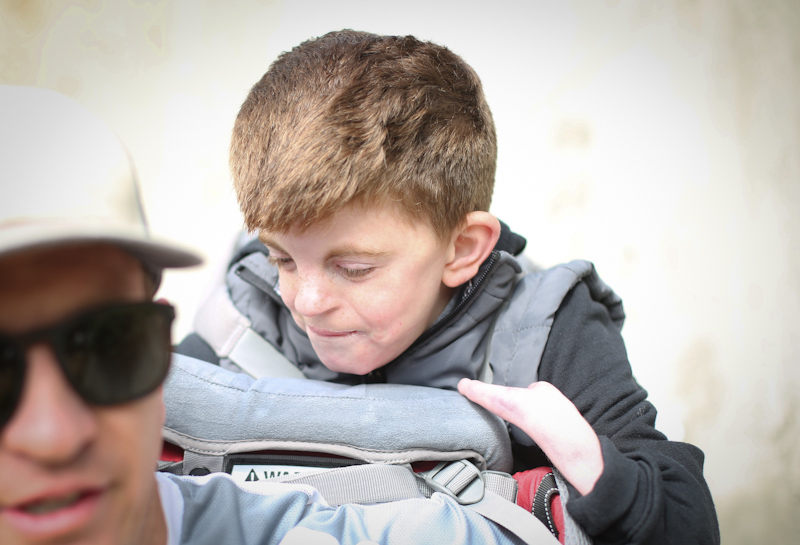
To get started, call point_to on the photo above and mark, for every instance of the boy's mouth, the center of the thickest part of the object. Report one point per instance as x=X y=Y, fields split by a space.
x=329 y=333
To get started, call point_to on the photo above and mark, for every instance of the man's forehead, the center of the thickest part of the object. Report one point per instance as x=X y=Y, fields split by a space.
x=45 y=285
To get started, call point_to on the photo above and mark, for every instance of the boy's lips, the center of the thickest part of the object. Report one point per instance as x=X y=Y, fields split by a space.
x=329 y=333
x=53 y=513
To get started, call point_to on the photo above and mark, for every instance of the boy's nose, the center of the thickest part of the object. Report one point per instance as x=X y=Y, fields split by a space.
x=312 y=296
x=51 y=424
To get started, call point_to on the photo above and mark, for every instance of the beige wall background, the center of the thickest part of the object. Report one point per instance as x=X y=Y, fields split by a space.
x=658 y=139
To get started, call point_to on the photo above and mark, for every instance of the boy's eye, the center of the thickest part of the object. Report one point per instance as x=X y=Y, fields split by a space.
x=356 y=273
x=280 y=261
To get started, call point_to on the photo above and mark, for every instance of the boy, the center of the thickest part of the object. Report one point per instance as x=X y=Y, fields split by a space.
x=366 y=163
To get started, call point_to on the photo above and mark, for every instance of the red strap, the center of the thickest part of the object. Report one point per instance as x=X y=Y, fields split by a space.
x=171 y=453
x=529 y=482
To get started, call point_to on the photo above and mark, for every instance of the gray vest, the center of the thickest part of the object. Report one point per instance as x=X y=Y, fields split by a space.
x=495 y=329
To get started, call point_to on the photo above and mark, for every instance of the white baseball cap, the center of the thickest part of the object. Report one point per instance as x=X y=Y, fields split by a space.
x=66 y=178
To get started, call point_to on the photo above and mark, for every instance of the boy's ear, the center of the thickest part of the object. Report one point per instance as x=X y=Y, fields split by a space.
x=470 y=245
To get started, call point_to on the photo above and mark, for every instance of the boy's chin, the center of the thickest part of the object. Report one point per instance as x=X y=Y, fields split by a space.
x=349 y=366
x=354 y=358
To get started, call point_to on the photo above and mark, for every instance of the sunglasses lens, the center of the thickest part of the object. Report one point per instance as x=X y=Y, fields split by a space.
x=12 y=369
x=119 y=354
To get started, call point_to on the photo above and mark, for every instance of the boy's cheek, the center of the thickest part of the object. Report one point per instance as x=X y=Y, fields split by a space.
x=299 y=320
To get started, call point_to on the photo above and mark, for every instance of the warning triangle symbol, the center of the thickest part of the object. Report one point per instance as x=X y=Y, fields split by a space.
x=252 y=476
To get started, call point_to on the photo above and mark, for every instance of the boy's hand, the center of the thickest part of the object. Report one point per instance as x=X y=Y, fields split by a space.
x=551 y=420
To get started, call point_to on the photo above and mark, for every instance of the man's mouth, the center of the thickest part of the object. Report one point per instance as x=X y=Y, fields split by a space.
x=53 y=516
x=45 y=506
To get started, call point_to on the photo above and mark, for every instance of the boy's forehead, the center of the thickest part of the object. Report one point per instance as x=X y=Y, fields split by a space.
x=352 y=218
x=353 y=230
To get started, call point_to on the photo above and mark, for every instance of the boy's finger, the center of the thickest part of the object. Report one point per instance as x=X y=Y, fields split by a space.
x=505 y=402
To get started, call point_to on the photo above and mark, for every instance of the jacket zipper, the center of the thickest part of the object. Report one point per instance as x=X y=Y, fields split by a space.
x=435 y=328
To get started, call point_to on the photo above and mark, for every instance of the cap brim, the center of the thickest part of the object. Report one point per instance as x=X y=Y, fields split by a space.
x=161 y=254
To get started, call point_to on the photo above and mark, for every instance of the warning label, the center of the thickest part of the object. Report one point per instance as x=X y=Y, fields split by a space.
x=260 y=472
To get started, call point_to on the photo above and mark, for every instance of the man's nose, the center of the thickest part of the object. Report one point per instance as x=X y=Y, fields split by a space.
x=313 y=295
x=51 y=423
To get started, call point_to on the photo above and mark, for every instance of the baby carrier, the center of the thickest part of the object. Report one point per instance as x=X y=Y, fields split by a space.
x=365 y=444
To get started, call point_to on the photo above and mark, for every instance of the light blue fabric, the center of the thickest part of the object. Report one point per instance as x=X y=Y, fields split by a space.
x=214 y=411
x=217 y=510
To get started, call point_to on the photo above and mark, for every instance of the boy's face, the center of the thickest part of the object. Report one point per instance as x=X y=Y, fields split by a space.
x=71 y=472
x=363 y=285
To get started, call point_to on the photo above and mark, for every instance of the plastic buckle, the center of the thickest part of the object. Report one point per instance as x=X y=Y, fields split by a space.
x=461 y=480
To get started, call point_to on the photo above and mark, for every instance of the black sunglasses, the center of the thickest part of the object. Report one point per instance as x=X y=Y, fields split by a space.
x=109 y=356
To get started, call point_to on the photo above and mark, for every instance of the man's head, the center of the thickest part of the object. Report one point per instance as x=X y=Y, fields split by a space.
x=83 y=349
x=353 y=118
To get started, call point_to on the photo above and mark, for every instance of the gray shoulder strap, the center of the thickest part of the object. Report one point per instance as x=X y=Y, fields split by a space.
x=514 y=519
x=521 y=332
x=486 y=373
x=230 y=335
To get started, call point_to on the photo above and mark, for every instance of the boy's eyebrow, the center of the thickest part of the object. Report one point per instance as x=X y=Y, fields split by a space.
x=346 y=250
x=351 y=250
x=266 y=241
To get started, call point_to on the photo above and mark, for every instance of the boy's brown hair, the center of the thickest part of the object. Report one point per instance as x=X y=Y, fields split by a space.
x=358 y=118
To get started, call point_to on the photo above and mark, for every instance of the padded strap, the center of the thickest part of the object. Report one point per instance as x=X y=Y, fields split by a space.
x=217 y=413
x=230 y=335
